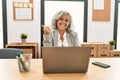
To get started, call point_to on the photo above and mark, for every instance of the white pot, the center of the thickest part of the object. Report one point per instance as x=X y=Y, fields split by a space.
x=112 y=47
x=23 y=40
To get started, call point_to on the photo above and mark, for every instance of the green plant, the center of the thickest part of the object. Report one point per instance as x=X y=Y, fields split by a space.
x=23 y=36
x=112 y=42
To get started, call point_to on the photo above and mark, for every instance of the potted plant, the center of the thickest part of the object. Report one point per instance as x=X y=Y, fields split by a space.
x=112 y=44
x=23 y=37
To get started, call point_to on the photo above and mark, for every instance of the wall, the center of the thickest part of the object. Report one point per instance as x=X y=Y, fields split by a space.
x=100 y=31
x=15 y=28
x=97 y=31
x=1 y=26
x=76 y=11
x=118 y=31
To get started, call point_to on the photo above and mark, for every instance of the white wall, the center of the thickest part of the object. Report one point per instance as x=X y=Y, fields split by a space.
x=1 y=26
x=76 y=11
x=97 y=31
x=118 y=31
x=100 y=31
x=15 y=28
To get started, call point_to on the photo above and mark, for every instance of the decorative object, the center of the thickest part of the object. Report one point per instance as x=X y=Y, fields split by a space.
x=23 y=10
x=101 y=14
x=23 y=37
x=112 y=44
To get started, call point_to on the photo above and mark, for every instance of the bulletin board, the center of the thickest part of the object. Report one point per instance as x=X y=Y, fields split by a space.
x=102 y=15
x=23 y=9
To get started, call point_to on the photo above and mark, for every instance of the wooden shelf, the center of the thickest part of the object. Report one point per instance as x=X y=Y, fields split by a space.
x=26 y=47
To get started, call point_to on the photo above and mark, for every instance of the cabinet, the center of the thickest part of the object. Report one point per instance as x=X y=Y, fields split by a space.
x=26 y=47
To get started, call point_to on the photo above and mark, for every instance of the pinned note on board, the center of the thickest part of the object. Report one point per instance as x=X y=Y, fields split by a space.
x=98 y=4
x=101 y=10
x=23 y=9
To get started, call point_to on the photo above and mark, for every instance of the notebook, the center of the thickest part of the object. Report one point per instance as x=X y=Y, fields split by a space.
x=65 y=59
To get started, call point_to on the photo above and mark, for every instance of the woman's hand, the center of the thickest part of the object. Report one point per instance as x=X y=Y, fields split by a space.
x=46 y=30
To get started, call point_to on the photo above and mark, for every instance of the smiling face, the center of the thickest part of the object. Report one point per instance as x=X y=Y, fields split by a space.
x=63 y=22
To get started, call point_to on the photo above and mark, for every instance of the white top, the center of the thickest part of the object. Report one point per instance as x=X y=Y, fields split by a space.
x=64 y=43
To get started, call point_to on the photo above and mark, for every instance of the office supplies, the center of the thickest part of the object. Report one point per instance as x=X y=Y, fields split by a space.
x=24 y=62
x=101 y=64
x=65 y=59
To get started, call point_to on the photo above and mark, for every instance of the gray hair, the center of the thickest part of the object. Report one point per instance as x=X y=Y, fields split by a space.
x=57 y=16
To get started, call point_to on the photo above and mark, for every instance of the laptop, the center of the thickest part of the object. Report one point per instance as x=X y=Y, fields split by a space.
x=65 y=59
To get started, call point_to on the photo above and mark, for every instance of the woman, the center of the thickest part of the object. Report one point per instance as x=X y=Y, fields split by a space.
x=62 y=34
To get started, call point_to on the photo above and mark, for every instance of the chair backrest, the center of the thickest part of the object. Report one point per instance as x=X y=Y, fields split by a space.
x=9 y=53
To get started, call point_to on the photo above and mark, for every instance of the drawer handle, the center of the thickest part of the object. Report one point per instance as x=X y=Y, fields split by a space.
x=92 y=47
x=116 y=54
x=103 y=55
x=92 y=55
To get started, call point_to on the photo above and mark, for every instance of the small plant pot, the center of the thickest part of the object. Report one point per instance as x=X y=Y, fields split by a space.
x=23 y=40
x=112 y=47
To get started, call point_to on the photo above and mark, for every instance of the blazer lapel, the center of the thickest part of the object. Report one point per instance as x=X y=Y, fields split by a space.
x=55 y=38
x=69 y=39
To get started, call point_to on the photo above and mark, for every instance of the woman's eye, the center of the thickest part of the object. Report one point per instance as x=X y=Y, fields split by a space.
x=60 y=19
x=67 y=20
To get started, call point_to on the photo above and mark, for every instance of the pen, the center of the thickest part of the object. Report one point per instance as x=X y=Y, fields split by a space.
x=23 y=62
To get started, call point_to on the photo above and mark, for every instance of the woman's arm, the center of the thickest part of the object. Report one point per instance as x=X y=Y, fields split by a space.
x=76 y=39
x=47 y=42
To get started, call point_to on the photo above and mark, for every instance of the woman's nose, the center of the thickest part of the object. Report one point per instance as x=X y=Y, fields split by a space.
x=63 y=21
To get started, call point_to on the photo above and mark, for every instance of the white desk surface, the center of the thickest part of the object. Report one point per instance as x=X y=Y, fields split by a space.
x=9 y=71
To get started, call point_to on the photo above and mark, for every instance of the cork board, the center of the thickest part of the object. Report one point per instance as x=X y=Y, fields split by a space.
x=23 y=10
x=102 y=15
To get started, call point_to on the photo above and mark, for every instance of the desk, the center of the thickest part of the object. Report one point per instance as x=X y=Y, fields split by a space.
x=26 y=47
x=9 y=71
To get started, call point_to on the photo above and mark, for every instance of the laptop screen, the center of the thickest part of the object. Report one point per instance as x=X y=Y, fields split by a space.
x=65 y=59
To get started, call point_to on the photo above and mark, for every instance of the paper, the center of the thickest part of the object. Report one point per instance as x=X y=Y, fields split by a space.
x=23 y=13
x=30 y=5
x=15 y=4
x=25 y=5
x=20 y=5
x=20 y=0
x=98 y=4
